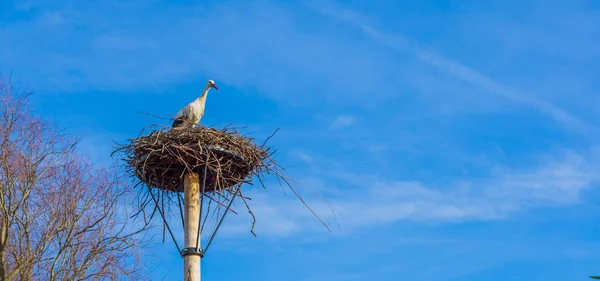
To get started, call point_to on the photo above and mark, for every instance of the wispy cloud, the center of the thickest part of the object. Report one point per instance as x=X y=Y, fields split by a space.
x=365 y=201
x=461 y=71
x=497 y=197
x=303 y=156
x=342 y=121
x=472 y=76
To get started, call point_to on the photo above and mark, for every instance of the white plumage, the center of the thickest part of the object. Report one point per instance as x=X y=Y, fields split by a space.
x=191 y=114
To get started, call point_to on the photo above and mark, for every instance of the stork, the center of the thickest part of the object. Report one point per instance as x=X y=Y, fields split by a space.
x=191 y=114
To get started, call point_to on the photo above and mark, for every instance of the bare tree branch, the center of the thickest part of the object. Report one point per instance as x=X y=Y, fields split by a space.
x=61 y=218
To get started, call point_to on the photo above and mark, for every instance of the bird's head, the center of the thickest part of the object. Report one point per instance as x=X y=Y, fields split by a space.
x=211 y=84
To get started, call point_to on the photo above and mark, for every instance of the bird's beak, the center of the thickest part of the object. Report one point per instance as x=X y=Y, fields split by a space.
x=215 y=86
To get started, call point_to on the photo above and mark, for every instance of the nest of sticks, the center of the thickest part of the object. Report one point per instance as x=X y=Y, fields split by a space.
x=160 y=160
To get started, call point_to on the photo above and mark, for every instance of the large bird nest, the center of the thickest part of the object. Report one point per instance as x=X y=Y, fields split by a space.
x=160 y=160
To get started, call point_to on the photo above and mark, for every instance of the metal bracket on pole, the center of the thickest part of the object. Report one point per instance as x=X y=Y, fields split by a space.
x=191 y=251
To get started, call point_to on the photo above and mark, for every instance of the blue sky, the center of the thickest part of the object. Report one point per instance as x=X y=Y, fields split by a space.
x=458 y=139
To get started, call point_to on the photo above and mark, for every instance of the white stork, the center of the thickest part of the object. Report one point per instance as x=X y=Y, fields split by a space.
x=191 y=114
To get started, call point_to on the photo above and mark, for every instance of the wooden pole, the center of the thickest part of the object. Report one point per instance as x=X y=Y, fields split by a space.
x=191 y=200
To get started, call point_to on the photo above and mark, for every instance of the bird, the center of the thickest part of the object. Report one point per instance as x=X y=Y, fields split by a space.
x=191 y=114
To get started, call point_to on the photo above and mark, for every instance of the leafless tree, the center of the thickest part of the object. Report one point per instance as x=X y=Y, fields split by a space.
x=61 y=218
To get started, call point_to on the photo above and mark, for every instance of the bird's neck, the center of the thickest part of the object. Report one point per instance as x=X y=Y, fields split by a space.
x=202 y=98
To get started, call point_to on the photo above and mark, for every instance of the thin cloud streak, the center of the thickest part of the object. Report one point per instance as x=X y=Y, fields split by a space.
x=467 y=74
x=457 y=69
